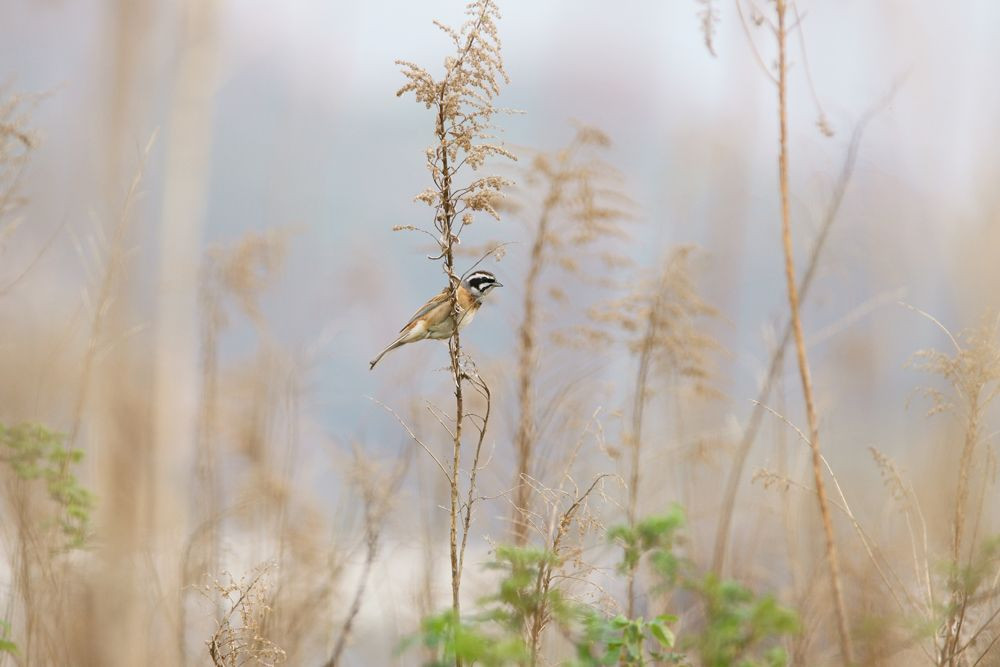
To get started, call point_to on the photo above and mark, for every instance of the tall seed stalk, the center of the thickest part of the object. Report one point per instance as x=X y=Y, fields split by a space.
x=672 y=344
x=582 y=208
x=662 y=321
x=776 y=363
x=847 y=652
x=527 y=361
x=973 y=371
x=462 y=101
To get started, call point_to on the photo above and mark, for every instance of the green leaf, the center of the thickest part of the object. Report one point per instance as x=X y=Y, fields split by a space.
x=662 y=633
x=35 y=452
x=6 y=645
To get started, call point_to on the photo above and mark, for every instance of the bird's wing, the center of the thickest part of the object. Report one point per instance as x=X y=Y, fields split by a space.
x=434 y=302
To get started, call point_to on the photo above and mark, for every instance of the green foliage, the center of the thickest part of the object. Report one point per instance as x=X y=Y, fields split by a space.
x=521 y=597
x=739 y=628
x=965 y=583
x=657 y=536
x=980 y=568
x=448 y=638
x=6 y=645
x=736 y=622
x=34 y=452
x=623 y=641
x=495 y=635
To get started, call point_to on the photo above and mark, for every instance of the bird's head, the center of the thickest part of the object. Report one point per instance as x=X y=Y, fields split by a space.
x=480 y=283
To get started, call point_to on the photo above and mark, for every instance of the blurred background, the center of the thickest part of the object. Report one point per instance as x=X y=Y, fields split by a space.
x=197 y=261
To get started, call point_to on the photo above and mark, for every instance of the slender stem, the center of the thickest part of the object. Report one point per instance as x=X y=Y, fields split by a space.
x=962 y=491
x=454 y=350
x=543 y=581
x=778 y=354
x=449 y=97
x=524 y=439
x=474 y=471
x=846 y=649
x=638 y=407
x=113 y=267
x=959 y=594
x=371 y=551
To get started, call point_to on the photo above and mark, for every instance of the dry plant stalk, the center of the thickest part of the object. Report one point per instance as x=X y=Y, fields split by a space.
x=46 y=579
x=237 y=639
x=16 y=146
x=669 y=313
x=581 y=208
x=662 y=318
x=568 y=515
x=897 y=588
x=238 y=273
x=377 y=491
x=708 y=17
x=559 y=527
x=847 y=652
x=673 y=343
x=207 y=459
x=114 y=265
x=249 y=412
x=471 y=375
x=17 y=143
x=463 y=104
x=973 y=371
x=776 y=362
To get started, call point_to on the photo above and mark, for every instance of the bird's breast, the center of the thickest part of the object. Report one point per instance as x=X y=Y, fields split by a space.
x=444 y=327
x=467 y=315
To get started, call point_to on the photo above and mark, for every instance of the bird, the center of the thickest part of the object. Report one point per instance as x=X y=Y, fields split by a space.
x=435 y=319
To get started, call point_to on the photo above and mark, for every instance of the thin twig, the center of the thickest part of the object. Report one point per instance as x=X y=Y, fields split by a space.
x=753 y=46
x=34 y=261
x=412 y=435
x=484 y=388
x=936 y=321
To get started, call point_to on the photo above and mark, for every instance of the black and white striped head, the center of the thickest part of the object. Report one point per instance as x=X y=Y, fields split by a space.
x=480 y=283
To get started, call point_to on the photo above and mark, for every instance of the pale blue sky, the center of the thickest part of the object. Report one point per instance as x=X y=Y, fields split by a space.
x=306 y=131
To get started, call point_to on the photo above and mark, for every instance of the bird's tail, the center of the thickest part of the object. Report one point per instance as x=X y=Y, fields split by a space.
x=392 y=346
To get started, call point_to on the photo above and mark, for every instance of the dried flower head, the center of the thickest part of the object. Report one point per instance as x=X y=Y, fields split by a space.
x=578 y=206
x=972 y=371
x=708 y=17
x=238 y=639
x=463 y=101
x=891 y=476
x=663 y=317
x=247 y=268
x=16 y=144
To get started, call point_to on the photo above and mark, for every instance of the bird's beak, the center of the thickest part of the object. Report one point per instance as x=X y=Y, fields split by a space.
x=498 y=284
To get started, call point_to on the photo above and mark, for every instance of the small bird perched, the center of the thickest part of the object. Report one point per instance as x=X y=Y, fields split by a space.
x=435 y=319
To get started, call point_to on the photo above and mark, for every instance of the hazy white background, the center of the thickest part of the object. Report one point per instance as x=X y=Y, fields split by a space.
x=283 y=115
